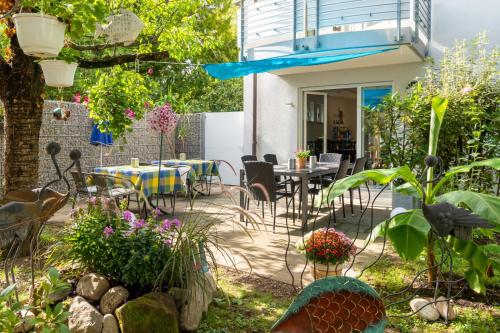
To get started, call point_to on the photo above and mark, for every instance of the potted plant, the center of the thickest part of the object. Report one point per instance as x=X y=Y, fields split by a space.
x=327 y=250
x=302 y=156
x=58 y=73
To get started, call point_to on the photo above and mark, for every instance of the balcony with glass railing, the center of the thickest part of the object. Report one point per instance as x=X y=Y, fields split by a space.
x=269 y=28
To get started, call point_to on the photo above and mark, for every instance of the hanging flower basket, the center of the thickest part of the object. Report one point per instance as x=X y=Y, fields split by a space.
x=39 y=35
x=58 y=73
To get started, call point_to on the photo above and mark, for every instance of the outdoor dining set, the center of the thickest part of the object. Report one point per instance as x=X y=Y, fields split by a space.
x=148 y=183
x=269 y=181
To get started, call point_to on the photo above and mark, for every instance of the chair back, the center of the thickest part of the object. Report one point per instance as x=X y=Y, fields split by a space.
x=260 y=177
x=359 y=165
x=80 y=181
x=102 y=184
x=342 y=171
x=330 y=158
x=248 y=158
x=271 y=158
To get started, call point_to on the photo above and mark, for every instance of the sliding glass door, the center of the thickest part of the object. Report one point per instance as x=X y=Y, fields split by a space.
x=315 y=121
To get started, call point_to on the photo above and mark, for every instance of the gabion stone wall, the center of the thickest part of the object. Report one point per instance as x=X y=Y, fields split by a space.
x=75 y=134
x=194 y=142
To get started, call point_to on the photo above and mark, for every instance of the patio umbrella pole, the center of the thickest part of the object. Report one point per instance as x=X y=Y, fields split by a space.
x=159 y=169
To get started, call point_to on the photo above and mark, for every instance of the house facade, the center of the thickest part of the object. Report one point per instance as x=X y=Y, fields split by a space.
x=320 y=107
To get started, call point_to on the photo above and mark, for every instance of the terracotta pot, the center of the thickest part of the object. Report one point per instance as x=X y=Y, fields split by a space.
x=320 y=271
x=301 y=163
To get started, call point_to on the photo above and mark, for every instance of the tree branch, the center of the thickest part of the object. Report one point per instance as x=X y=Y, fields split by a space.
x=122 y=59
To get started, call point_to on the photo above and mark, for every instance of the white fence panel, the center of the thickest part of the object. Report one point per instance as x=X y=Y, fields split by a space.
x=224 y=141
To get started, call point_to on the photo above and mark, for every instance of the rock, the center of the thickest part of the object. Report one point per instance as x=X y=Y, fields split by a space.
x=59 y=295
x=84 y=318
x=92 y=286
x=109 y=324
x=444 y=307
x=151 y=313
x=112 y=299
x=24 y=325
x=195 y=302
x=428 y=312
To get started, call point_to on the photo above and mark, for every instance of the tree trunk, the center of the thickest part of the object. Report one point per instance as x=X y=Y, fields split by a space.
x=21 y=92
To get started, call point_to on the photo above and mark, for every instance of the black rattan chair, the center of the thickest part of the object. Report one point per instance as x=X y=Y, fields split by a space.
x=248 y=158
x=330 y=158
x=359 y=165
x=341 y=173
x=261 y=183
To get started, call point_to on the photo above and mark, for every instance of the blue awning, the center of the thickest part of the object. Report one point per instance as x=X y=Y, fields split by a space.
x=231 y=70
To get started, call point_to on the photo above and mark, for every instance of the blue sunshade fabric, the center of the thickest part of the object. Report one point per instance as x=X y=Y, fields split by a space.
x=231 y=70
x=100 y=138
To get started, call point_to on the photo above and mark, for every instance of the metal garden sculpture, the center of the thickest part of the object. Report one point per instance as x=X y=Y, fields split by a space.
x=23 y=218
x=342 y=304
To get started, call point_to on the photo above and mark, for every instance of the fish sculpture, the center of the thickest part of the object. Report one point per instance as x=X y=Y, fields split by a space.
x=124 y=28
x=335 y=304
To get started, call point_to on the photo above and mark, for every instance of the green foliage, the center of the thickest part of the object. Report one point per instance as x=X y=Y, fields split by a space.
x=8 y=312
x=114 y=95
x=408 y=233
x=467 y=77
x=80 y=15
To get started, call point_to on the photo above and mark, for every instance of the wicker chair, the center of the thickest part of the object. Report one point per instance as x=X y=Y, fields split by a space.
x=330 y=158
x=115 y=188
x=261 y=183
x=81 y=186
x=341 y=174
x=359 y=165
x=248 y=158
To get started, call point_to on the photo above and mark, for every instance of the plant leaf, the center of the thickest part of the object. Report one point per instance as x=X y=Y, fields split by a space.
x=378 y=231
x=408 y=232
x=408 y=189
x=484 y=205
x=475 y=280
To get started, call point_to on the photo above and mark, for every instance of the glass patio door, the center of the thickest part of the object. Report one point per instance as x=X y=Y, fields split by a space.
x=315 y=122
x=371 y=97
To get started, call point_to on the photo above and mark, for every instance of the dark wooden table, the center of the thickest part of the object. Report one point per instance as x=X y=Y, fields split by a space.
x=304 y=176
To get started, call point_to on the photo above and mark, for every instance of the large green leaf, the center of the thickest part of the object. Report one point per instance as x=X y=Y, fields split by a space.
x=408 y=233
x=439 y=106
x=378 y=231
x=408 y=189
x=380 y=176
x=484 y=205
x=493 y=163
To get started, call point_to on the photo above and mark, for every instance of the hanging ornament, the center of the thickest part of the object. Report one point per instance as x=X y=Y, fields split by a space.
x=124 y=28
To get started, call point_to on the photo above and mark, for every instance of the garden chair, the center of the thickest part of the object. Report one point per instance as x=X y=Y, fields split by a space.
x=248 y=158
x=81 y=186
x=330 y=158
x=116 y=188
x=341 y=174
x=359 y=165
x=261 y=183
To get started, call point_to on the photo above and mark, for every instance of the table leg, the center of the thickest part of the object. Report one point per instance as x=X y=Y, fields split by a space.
x=305 y=207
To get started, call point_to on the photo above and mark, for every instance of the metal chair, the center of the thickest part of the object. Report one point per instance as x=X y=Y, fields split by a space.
x=116 y=188
x=330 y=158
x=359 y=165
x=271 y=158
x=248 y=158
x=81 y=186
x=261 y=183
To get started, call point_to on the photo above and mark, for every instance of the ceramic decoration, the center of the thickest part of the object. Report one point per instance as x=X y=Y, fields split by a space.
x=124 y=28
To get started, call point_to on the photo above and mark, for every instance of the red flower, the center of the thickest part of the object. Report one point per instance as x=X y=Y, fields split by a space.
x=328 y=246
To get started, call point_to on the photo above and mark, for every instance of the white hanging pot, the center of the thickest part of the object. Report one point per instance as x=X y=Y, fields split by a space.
x=58 y=73
x=39 y=35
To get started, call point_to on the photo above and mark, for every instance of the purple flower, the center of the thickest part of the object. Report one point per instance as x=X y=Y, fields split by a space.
x=129 y=216
x=176 y=223
x=150 y=71
x=139 y=224
x=163 y=119
x=106 y=202
x=168 y=242
x=130 y=113
x=156 y=212
x=108 y=231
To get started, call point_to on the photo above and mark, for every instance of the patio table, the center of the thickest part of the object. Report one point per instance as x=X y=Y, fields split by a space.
x=200 y=167
x=145 y=178
x=304 y=176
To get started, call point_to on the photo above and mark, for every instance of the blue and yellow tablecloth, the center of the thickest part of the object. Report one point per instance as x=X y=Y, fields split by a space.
x=200 y=167
x=145 y=178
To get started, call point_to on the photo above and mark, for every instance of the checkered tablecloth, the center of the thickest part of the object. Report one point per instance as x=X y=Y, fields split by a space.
x=145 y=178
x=200 y=167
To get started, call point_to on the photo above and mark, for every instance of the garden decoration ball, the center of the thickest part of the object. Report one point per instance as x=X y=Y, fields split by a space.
x=61 y=114
x=335 y=304
x=124 y=27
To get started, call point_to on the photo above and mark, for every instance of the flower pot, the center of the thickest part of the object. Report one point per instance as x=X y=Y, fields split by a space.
x=182 y=156
x=58 y=73
x=301 y=163
x=39 y=35
x=320 y=271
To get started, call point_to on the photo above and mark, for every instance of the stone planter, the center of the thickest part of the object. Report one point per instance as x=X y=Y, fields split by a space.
x=320 y=271
x=39 y=35
x=58 y=73
x=301 y=163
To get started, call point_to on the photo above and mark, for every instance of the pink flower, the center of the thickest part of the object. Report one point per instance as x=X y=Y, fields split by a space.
x=129 y=216
x=150 y=71
x=108 y=231
x=156 y=212
x=166 y=225
x=86 y=100
x=168 y=242
x=466 y=90
x=77 y=98
x=147 y=105
x=138 y=224
x=176 y=223
x=163 y=119
x=130 y=113
x=106 y=202
x=93 y=201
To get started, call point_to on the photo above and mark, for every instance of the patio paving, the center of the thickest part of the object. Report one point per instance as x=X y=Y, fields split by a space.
x=260 y=251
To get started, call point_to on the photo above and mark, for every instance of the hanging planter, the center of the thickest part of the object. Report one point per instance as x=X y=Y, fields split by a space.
x=39 y=35
x=58 y=73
